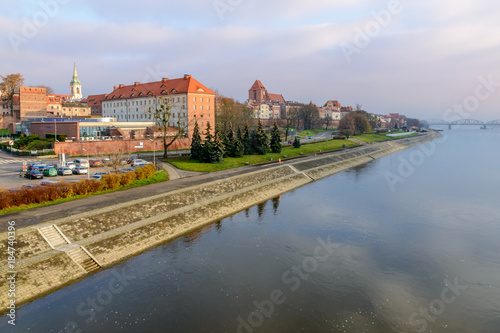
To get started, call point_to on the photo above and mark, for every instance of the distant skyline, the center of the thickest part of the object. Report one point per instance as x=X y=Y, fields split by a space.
x=424 y=59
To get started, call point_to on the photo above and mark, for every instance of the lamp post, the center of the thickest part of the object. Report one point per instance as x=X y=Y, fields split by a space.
x=88 y=169
x=154 y=152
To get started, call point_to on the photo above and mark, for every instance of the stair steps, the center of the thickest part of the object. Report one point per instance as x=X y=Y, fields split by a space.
x=82 y=258
x=53 y=236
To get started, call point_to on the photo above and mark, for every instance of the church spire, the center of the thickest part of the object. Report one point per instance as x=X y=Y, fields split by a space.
x=75 y=86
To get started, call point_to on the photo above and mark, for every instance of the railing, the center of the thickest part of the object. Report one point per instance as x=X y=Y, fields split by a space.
x=19 y=152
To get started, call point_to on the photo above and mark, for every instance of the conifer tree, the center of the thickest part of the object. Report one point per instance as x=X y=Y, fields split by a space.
x=207 y=146
x=230 y=141
x=296 y=142
x=275 y=139
x=238 y=147
x=260 y=140
x=247 y=141
x=196 y=145
x=217 y=152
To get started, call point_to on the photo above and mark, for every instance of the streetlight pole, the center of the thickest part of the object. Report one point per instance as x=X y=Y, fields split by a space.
x=88 y=169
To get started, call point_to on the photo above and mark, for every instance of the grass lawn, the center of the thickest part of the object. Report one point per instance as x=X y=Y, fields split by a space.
x=311 y=132
x=4 y=132
x=158 y=177
x=368 y=138
x=232 y=162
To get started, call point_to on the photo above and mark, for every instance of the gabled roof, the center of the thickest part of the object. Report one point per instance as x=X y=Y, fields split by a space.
x=276 y=97
x=94 y=100
x=257 y=86
x=164 y=87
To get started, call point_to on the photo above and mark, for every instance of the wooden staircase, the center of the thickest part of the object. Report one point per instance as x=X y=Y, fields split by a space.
x=53 y=236
x=82 y=258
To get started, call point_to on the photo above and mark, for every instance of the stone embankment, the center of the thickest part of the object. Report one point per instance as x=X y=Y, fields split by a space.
x=55 y=253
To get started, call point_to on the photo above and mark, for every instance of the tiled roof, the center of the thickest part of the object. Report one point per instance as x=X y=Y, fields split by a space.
x=164 y=87
x=95 y=100
x=276 y=97
x=258 y=86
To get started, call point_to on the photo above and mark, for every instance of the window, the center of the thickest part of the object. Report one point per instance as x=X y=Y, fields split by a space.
x=201 y=99
x=208 y=108
x=208 y=99
x=194 y=107
x=201 y=107
x=194 y=99
x=209 y=115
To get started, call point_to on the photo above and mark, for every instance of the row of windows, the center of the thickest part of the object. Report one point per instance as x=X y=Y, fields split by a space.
x=201 y=107
x=201 y=99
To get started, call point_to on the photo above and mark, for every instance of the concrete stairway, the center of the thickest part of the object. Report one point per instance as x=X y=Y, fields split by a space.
x=53 y=236
x=82 y=258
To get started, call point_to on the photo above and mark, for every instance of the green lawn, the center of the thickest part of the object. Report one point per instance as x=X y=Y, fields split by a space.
x=4 y=132
x=232 y=162
x=368 y=138
x=311 y=132
x=158 y=177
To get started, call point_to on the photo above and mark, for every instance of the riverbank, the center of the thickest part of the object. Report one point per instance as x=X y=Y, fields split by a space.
x=58 y=247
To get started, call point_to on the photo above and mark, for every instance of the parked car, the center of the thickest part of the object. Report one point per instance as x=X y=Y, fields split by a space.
x=79 y=170
x=71 y=165
x=28 y=186
x=49 y=182
x=36 y=166
x=64 y=171
x=138 y=161
x=98 y=177
x=82 y=162
x=101 y=173
x=128 y=169
x=50 y=172
x=95 y=162
x=140 y=165
x=33 y=174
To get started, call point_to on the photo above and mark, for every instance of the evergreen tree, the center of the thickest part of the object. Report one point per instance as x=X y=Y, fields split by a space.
x=196 y=145
x=247 y=141
x=275 y=139
x=224 y=140
x=207 y=146
x=238 y=147
x=231 y=137
x=260 y=142
x=217 y=152
x=296 y=142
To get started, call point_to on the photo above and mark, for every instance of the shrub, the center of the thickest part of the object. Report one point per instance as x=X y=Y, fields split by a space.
x=127 y=178
x=110 y=182
x=140 y=173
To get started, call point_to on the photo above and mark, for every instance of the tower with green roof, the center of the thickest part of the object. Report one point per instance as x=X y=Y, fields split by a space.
x=75 y=86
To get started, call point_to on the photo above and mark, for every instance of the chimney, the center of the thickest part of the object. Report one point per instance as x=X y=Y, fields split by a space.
x=115 y=87
x=136 y=83
x=165 y=79
x=121 y=85
x=187 y=76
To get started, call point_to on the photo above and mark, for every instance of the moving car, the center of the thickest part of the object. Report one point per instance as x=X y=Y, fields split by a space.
x=64 y=171
x=33 y=174
x=80 y=170
x=50 y=172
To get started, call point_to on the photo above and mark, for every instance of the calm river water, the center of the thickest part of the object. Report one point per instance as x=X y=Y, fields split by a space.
x=406 y=243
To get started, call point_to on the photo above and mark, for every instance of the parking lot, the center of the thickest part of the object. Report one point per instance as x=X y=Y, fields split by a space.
x=11 y=166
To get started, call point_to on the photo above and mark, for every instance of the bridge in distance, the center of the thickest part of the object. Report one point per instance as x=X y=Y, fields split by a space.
x=463 y=122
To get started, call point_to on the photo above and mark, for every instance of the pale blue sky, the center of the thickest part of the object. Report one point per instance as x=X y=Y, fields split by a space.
x=423 y=59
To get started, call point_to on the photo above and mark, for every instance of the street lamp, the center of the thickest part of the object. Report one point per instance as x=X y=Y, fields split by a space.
x=154 y=152
x=88 y=169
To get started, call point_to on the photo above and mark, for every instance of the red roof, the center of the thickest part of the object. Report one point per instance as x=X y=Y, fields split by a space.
x=164 y=87
x=257 y=86
x=276 y=97
x=94 y=100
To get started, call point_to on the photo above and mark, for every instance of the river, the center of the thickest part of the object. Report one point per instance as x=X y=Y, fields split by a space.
x=406 y=243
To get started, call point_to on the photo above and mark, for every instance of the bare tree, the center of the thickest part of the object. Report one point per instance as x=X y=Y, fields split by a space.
x=164 y=115
x=9 y=86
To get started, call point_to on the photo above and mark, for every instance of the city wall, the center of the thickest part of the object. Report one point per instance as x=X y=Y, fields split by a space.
x=115 y=233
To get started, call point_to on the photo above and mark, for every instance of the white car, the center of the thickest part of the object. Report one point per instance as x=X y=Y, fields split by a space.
x=79 y=170
x=138 y=161
x=71 y=165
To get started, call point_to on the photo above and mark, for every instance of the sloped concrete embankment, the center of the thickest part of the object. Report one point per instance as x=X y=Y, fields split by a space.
x=59 y=252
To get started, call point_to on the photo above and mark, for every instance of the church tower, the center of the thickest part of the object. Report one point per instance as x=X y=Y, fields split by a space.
x=75 y=86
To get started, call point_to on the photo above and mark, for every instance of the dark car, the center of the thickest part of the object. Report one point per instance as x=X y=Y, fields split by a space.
x=34 y=174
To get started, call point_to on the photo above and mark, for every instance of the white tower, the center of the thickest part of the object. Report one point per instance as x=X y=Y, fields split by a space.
x=75 y=86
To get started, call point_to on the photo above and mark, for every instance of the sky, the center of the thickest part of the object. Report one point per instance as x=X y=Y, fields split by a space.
x=425 y=59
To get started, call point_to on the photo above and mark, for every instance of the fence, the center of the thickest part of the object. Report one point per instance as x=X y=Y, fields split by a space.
x=19 y=152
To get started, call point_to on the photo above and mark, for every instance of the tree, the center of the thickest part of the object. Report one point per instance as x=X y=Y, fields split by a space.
x=48 y=89
x=217 y=151
x=196 y=145
x=361 y=124
x=372 y=119
x=309 y=115
x=296 y=142
x=9 y=86
x=162 y=116
x=275 y=139
x=260 y=141
x=207 y=146
x=328 y=118
x=247 y=141
x=290 y=117
x=228 y=111
x=346 y=126
x=238 y=147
